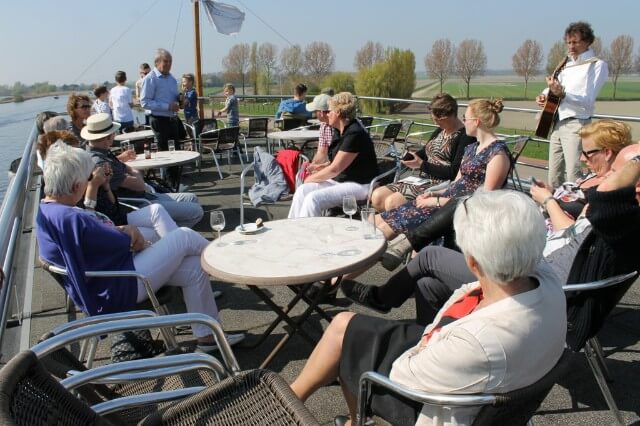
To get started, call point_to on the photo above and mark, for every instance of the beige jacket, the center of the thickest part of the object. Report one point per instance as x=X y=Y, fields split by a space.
x=508 y=345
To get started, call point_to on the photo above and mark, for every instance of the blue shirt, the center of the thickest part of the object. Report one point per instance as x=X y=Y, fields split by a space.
x=77 y=240
x=293 y=106
x=190 y=104
x=231 y=106
x=158 y=93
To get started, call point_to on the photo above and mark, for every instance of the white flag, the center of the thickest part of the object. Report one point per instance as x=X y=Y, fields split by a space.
x=226 y=18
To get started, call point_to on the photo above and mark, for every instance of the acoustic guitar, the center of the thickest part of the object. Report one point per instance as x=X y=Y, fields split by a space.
x=545 y=124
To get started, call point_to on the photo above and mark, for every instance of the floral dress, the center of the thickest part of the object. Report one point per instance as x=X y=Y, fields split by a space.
x=472 y=173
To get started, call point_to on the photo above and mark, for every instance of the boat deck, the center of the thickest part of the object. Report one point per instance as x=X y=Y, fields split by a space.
x=576 y=400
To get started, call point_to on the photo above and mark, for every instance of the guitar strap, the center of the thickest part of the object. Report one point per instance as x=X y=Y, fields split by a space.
x=563 y=65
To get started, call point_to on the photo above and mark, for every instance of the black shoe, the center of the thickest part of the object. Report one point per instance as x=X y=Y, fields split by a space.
x=328 y=297
x=340 y=420
x=362 y=295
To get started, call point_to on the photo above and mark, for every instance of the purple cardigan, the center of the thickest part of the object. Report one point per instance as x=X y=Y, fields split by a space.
x=72 y=238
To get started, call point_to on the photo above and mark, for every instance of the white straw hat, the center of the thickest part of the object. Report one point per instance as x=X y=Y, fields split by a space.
x=98 y=126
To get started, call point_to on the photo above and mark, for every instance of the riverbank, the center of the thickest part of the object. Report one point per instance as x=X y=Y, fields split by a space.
x=11 y=99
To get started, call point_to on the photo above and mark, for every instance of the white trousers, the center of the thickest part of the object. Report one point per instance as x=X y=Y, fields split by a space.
x=175 y=260
x=310 y=199
x=565 y=148
x=153 y=221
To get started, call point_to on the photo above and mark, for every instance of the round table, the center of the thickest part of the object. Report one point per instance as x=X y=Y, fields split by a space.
x=134 y=136
x=293 y=135
x=290 y=252
x=163 y=159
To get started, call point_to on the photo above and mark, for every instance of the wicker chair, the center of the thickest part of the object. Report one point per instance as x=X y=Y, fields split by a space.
x=257 y=128
x=221 y=140
x=256 y=397
x=510 y=408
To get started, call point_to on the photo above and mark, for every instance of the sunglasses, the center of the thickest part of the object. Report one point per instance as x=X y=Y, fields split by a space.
x=84 y=106
x=590 y=153
x=90 y=177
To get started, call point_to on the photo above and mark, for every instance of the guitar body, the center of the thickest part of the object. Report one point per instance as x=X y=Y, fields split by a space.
x=545 y=124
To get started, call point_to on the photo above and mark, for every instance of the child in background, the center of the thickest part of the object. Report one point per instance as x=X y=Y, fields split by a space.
x=101 y=103
x=189 y=99
x=121 y=101
x=230 y=106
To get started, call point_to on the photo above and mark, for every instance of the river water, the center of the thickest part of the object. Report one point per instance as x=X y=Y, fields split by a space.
x=16 y=120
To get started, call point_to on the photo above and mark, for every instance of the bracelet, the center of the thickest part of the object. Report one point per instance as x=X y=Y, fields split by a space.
x=438 y=201
x=546 y=201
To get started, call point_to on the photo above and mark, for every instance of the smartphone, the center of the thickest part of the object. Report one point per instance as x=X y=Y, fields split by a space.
x=407 y=156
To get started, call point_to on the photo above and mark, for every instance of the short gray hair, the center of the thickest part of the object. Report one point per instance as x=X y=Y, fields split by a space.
x=55 y=123
x=503 y=231
x=65 y=166
x=162 y=53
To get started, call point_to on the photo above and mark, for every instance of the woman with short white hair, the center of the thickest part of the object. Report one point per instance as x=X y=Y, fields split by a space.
x=352 y=165
x=80 y=241
x=480 y=341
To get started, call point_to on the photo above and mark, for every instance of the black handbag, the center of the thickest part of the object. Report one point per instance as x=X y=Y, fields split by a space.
x=136 y=344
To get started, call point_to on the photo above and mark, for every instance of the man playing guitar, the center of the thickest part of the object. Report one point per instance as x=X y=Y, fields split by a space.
x=577 y=85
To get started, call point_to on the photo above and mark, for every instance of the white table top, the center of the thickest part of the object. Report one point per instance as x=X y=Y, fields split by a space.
x=163 y=159
x=313 y=121
x=292 y=251
x=134 y=136
x=295 y=135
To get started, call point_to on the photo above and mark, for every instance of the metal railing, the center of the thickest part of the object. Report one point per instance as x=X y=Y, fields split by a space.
x=11 y=214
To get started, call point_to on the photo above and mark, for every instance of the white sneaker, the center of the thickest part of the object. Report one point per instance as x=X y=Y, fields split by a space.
x=232 y=339
x=396 y=253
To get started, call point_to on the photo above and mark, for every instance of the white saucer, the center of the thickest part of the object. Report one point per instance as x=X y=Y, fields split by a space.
x=249 y=228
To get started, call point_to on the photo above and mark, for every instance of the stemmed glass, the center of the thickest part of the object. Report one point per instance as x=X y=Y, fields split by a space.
x=217 y=223
x=350 y=207
x=154 y=150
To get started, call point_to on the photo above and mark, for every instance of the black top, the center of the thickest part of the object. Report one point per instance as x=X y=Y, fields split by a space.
x=458 y=145
x=355 y=139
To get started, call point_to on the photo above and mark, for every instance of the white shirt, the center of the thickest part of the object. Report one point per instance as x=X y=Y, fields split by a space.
x=505 y=346
x=582 y=83
x=121 y=100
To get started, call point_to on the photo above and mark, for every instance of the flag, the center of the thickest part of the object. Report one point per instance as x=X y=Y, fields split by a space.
x=226 y=18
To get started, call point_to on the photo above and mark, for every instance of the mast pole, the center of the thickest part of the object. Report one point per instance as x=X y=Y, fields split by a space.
x=198 y=73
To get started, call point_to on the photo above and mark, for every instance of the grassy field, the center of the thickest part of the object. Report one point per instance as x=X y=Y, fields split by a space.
x=514 y=90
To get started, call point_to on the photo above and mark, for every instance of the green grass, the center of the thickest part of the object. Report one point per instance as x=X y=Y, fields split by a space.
x=513 y=90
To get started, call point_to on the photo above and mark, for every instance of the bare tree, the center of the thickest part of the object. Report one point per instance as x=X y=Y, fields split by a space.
x=620 y=58
x=556 y=54
x=596 y=46
x=439 y=61
x=318 y=59
x=267 y=58
x=236 y=62
x=526 y=61
x=368 y=55
x=470 y=60
x=291 y=62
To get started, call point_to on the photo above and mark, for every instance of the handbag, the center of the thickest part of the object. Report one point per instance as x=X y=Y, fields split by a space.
x=136 y=344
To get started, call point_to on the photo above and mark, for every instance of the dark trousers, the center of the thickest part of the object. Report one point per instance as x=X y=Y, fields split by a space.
x=165 y=129
x=433 y=275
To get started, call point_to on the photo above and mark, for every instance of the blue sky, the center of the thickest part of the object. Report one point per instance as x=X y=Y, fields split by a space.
x=65 y=41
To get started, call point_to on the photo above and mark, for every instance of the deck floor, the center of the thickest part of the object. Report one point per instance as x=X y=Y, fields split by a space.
x=576 y=400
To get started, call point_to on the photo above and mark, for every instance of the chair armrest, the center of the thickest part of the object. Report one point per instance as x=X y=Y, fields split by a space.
x=97 y=319
x=150 y=368
x=426 y=132
x=370 y=377
x=595 y=285
x=209 y=133
x=375 y=180
x=162 y=321
x=129 y=206
x=438 y=187
x=133 y=200
x=135 y=401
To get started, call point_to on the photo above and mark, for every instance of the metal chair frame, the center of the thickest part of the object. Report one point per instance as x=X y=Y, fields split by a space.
x=228 y=136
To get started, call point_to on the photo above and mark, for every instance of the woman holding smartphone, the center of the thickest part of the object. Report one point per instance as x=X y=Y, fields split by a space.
x=438 y=161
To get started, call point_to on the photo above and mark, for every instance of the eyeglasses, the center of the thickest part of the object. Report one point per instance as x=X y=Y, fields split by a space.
x=464 y=204
x=84 y=106
x=590 y=153
x=90 y=177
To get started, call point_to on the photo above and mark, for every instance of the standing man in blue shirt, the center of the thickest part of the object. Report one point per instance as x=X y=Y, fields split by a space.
x=159 y=95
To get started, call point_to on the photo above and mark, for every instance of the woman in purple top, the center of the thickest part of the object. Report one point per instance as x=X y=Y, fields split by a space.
x=80 y=241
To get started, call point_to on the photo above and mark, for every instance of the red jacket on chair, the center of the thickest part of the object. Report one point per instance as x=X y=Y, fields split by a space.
x=288 y=160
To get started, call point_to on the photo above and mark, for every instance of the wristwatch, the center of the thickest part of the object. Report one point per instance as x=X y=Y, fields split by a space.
x=90 y=204
x=546 y=201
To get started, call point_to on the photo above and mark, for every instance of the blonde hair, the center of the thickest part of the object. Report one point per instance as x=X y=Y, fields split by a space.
x=487 y=111
x=608 y=134
x=229 y=86
x=344 y=103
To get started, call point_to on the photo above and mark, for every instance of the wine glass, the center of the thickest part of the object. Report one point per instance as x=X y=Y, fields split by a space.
x=172 y=145
x=350 y=207
x=217 y=223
